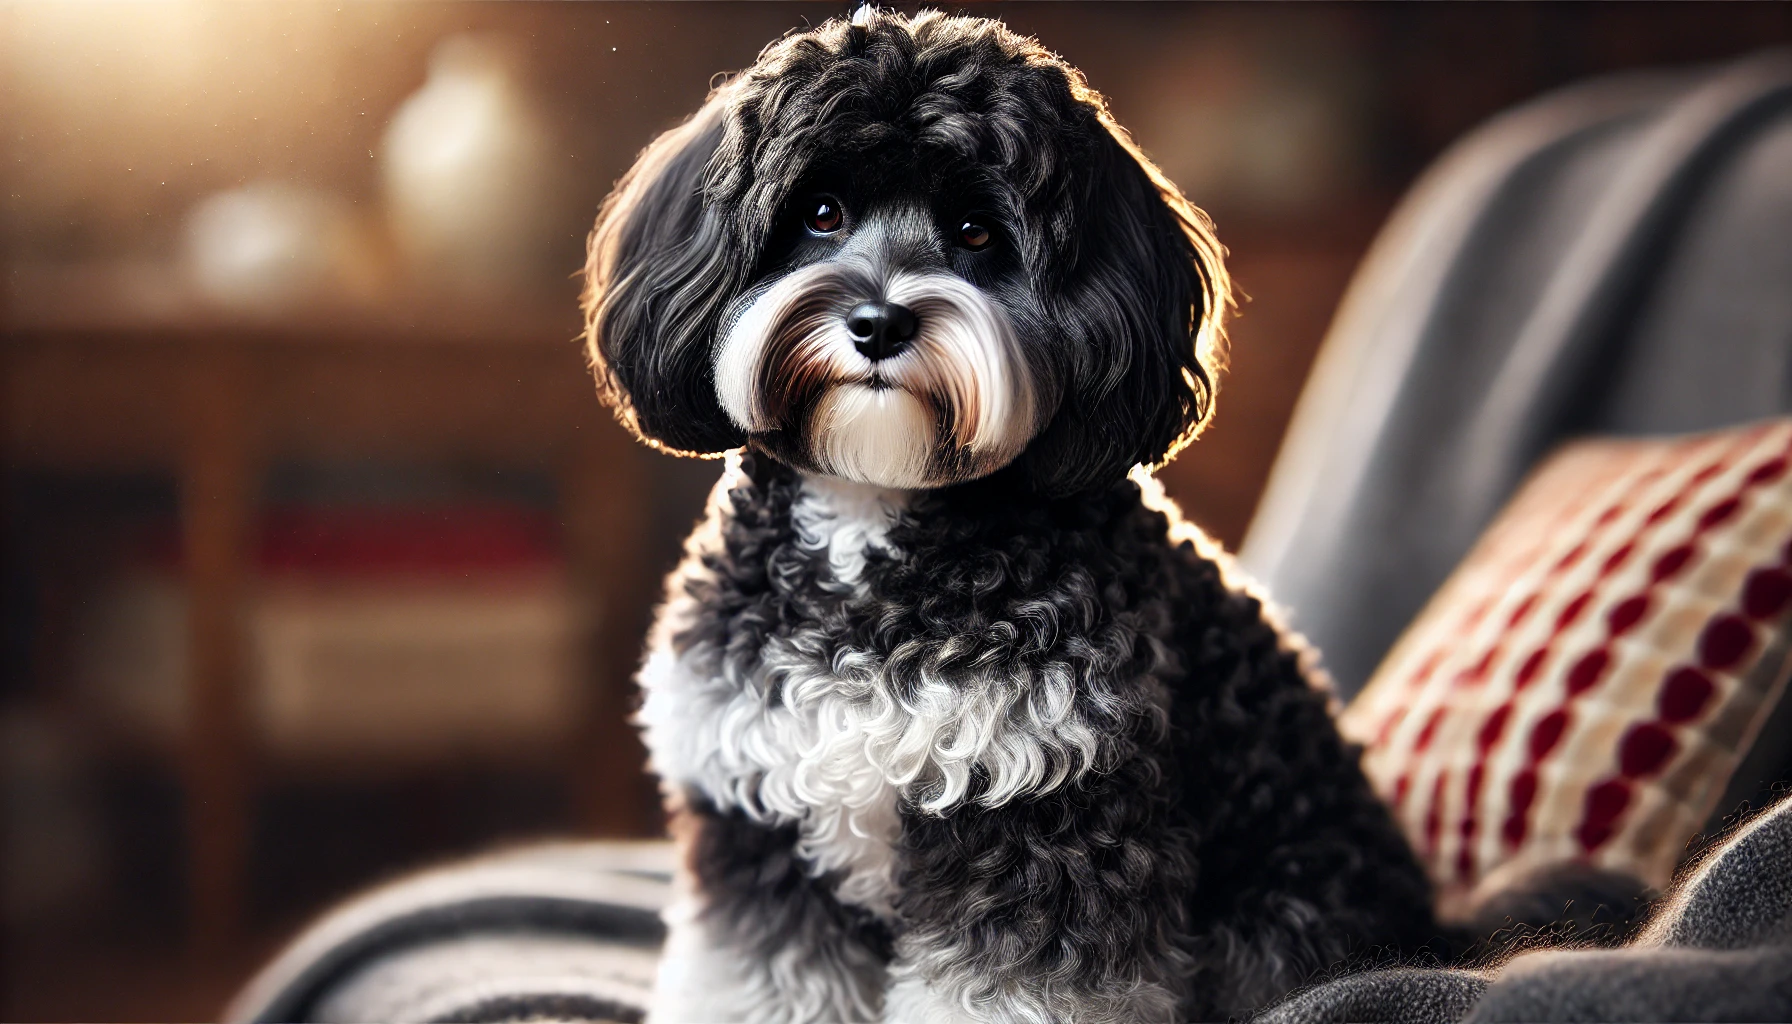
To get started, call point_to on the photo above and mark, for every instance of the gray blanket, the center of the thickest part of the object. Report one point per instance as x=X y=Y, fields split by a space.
x=1718 y=948
x=569 y=933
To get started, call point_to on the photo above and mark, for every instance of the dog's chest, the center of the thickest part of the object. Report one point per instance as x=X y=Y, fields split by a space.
x=791 y=733
x=807 y=728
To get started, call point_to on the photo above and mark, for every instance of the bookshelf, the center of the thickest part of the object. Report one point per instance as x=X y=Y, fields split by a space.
x=114 y=369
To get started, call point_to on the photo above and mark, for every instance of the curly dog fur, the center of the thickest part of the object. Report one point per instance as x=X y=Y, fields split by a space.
x=958 y=719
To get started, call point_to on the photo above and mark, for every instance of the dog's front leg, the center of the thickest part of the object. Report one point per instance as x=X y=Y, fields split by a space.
x=1062 y=908
x=755 y=937
x=944 y=978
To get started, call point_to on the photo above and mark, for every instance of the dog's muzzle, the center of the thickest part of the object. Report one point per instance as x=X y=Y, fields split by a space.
x=903 y=380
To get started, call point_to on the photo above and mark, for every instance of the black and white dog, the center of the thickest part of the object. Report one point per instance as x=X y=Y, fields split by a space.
x=957 y=718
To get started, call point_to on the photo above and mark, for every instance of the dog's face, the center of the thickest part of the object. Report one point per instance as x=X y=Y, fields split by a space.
x=883 y=341
x=909 y=253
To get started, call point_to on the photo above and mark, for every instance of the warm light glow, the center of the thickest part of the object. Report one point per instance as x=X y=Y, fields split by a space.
x=122 y=115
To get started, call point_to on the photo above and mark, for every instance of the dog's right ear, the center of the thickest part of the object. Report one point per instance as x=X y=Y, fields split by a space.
x=660 y=270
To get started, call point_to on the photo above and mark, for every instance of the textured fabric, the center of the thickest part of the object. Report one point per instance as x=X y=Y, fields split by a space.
x=1628 y=985
x=1718 y=949
x=1609 y=259
x=1739 y=897
x=562 y=931
x=1409 y=995
x=1585 y=684
x=496 y=977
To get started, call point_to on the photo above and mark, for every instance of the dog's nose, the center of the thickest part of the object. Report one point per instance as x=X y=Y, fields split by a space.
x=881 y=329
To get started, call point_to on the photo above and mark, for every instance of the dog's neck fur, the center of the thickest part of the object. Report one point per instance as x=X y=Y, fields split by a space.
x=770 y=691
x=921 y=740
x=809 y=727
x=847 y=521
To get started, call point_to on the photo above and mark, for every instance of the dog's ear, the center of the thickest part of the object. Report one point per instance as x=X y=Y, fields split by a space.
x=1143 y=295
x=661 y=268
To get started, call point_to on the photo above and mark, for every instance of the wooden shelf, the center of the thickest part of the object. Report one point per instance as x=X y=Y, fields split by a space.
x=121 y=368
x=151 y=300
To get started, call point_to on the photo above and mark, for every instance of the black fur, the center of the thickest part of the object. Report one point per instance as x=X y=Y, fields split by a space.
x=764 y=896
x=1232 y=840
x=1108 y=270
x=1226 y=847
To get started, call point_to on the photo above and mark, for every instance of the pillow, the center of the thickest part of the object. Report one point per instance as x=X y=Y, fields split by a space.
x=1584 y=685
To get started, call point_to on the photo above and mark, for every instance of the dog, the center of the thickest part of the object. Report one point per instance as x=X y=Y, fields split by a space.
x=956 y=718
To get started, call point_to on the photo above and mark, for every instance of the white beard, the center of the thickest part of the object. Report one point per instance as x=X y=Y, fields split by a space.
x=875 y=436
x=876 y=422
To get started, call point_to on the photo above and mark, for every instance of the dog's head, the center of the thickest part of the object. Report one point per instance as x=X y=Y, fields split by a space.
x=909 y=252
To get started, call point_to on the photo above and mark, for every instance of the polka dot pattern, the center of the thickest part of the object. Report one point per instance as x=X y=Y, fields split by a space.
x=1585 y=683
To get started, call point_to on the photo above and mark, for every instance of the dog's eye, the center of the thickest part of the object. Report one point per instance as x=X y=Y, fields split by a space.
x=824 y=217
x=975 y=236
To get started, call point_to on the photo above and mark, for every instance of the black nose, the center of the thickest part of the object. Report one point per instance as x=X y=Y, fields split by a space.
x=881 y=329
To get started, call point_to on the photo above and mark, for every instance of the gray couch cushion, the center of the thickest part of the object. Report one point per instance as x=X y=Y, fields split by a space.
x=1608 y=259
x=1718 y=949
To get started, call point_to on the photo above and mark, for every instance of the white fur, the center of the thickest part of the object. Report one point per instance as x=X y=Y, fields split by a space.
x=874 y=435
x=848 y=520
x=701 y=980
x=744 y=340
x=966 y=349
x=840 y=749
x=964 y=355
x=841 y=741
x=912 y=1000
x=933 y=982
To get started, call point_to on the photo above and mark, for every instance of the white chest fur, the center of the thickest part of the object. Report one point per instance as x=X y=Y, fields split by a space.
x=814 y=734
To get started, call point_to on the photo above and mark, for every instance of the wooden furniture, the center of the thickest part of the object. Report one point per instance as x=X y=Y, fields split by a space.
x=104 y=373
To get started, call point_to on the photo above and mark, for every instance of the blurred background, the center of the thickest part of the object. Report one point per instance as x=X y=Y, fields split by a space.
x=321 y=560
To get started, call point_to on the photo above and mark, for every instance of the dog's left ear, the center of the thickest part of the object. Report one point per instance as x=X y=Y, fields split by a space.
x=1144 y=294
x=660 y=270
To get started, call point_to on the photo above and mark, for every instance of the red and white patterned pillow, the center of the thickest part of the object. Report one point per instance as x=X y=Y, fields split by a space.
x=1584 y=685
